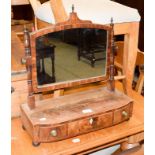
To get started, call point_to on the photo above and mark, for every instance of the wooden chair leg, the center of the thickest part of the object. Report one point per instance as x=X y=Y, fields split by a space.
x=140 y=83
x=124 y=86
x=132 y=142
x=117 y=152
x=119 y=72
x=125 y=146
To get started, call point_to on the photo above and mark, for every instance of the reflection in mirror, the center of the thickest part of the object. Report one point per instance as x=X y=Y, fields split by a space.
x=71 y=55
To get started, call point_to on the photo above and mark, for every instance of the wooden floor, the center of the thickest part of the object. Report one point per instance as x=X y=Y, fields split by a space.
x=22 y=143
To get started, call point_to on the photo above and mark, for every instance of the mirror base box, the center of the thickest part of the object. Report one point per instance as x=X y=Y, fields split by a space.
x=72 y=115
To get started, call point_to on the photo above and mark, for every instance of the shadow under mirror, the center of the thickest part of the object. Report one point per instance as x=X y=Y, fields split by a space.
x=71 y=55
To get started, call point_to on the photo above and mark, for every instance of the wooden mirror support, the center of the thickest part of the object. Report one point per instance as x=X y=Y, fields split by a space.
x=31 y=97
x=71 y=115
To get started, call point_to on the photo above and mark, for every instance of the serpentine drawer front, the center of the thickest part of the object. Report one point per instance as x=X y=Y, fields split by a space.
x=122 y=114
x=52 y=133
x=90 y=124
x=77 y=127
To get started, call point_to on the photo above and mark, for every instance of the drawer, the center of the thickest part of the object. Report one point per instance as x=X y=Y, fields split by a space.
x=90 y=124
x=121 y=114
x=48 y=133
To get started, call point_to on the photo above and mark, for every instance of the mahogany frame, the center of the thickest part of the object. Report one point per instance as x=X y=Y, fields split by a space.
x=73 y=22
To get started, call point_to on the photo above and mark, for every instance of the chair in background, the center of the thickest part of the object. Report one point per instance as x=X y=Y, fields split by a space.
x=47 y=13
x=139 y=62
x=91 y=43
x=43 y=14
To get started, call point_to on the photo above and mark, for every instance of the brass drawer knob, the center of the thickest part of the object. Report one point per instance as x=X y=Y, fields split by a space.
x=125 y=114
x=53 y=133
x=91 y=120
x=23 y=61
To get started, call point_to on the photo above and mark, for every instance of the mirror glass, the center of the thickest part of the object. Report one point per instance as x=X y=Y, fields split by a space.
x=71 y=54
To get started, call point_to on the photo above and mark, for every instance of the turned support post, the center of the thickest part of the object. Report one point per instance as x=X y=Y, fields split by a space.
x=31 y=97
x=112 y=53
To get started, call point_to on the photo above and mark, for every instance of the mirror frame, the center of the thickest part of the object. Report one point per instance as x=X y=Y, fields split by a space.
x=72 y=23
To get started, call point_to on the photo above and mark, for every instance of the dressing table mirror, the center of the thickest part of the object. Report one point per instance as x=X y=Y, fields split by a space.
x=68 y=55
x=64 y=55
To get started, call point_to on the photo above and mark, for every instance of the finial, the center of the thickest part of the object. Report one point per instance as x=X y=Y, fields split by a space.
x=112 y=21
x=72 y=7
x=25 y=28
